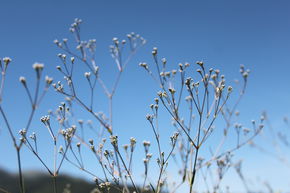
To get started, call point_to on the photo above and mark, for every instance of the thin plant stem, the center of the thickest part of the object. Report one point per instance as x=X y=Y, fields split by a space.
x=54 y=184
x=20 y=175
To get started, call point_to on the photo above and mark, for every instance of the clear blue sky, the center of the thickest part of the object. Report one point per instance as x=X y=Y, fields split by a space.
x=224 y=33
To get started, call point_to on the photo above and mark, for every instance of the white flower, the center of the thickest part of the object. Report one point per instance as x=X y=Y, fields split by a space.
x=38 y=66
x=48 y=80
x=87 y=74
x=7 y=60
x=22 y=79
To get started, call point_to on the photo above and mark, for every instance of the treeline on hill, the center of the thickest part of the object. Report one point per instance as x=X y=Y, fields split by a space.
x=36 y=182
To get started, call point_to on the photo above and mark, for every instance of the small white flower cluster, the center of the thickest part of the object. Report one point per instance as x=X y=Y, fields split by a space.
x=133 y=40
x=200 y=63
x=144 y=65
x=172 y=90
x=22 y=79
x=114 y=140
x=60 y=150
x=147 y=159
x=91 y=45
x=22 y=132
x=149 y=117
x=154 y=51
x=91 y=141
x=62 y=56
x=45 y=119
x=87 y=75
x=105 y=185
x=48 y=80
x=58 y=87
x=146 y=145
x=81 y=45
x=6 y=61
x=69 y=132
x=174 y=137
x=33 y=136
x=125 y=146
x=133 y=142
x=78 y=145
x=56 y=42
x=230 y=89
x=165 y=74
x=75 y=25
x=38 y=66
x=244 y=73
x=164 y=61
x=162 y=94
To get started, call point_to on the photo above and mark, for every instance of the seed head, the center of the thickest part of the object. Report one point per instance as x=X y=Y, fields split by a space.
x=164 y=60
x=72 y=59
x=60 y=150
x=22 y=79
x=200 y=63
x=56 y=41
x=45 y=119
x=156 y=100
x=125 y=147
x=154 y=52
x=33 y=136
x=144 y=65
x=230 y=89
x=7 y=60
x=133 y=141
x=87 y=74
x=145 y=160
x=148 y=155
x=146 y=143
x=114 y=139
x=172 y=90
x=22 y=132
x=38 y=66
x=115 y=40
x=245 y=74
x=149 y=117
x=48 y=80
x=91 y=141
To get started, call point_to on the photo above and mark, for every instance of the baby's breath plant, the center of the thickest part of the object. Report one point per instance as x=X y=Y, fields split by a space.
x=35 y=97
x=274 y=142
x=196 y=99
x=112 y=162
x=207 y=98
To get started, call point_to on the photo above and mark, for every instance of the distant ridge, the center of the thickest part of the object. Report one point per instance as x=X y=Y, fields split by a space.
x=37 y=182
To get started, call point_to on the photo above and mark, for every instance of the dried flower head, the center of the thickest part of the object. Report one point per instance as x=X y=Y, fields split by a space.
x=133 y=141
x=22 y=79
x=87 y=74
x=6 y=61
x=38 y=66
x=48 y=80
x=114 y=140
x=45 y=119
x=146 y=143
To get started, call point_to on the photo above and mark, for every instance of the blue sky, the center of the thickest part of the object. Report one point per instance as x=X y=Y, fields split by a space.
x=224 y=34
